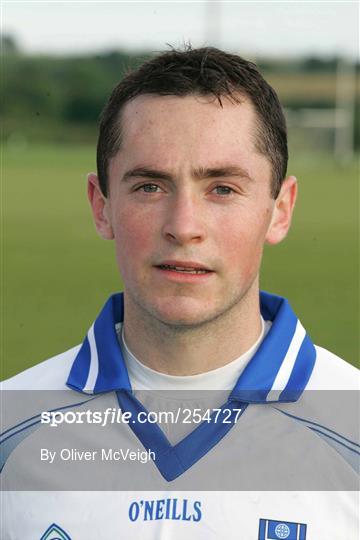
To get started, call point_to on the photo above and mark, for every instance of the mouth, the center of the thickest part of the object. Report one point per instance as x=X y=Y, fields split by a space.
x=182 y=267
x=183 y=270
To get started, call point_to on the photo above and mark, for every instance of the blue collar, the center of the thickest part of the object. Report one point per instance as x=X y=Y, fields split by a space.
x=279 y=370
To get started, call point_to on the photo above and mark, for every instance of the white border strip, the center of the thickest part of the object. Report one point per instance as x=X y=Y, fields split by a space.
x=94 y=363
x=287 y=366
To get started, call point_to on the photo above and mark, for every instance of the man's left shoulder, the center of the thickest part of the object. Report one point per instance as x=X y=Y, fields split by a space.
x=332 y=373
x=328 y=409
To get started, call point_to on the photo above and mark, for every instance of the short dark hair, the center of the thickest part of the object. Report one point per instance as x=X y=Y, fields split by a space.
x=204 y=71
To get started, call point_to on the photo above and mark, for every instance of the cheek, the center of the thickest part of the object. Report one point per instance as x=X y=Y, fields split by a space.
x=242 y=245
x=242 y=248
x=134 y=237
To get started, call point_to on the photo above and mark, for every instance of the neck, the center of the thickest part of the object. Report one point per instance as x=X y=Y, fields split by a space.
x=191 y=350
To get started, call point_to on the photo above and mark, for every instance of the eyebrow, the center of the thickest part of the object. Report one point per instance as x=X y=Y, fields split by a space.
x=220 y=172
x=200 y=173
x=144 y=172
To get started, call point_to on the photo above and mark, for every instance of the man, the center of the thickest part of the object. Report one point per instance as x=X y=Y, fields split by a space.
x=191 y=184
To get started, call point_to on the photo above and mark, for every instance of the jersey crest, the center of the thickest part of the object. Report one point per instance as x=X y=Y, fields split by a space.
x=269 y=529
x=54 y=532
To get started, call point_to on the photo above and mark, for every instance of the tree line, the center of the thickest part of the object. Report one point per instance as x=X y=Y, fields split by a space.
x=61 y=97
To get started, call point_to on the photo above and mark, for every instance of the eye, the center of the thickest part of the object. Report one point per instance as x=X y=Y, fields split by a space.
x=148 y=188
x=223 y=190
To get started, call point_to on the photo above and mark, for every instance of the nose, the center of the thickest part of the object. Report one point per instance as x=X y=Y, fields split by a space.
x=184 y=221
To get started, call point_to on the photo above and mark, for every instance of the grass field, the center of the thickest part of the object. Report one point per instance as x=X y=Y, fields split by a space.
x=56 y=272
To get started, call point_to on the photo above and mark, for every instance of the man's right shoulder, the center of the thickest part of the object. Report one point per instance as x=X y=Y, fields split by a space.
x=27 y=395
x=51 y=374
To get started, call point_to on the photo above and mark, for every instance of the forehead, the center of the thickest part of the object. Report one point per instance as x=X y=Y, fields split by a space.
x=193 y=129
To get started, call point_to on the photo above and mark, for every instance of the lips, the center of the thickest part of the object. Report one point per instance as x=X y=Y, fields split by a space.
x=184 y=267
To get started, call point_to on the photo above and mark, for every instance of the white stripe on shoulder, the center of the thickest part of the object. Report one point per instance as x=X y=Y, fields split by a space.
x=50 y=374
x=333 y=373
x=94 y=362
x=284 y=373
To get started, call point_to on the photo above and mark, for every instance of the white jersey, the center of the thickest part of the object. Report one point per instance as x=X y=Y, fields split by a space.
x=276 y=457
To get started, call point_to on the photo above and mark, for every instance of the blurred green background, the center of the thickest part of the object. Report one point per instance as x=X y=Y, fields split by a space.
x=57 y=273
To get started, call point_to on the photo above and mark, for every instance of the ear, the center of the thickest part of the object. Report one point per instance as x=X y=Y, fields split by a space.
x=282 y=212
x=100 y=208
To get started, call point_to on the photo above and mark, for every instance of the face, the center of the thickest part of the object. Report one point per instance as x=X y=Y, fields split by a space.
x=189 y=207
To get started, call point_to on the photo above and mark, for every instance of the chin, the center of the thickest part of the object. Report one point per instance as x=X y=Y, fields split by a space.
x=184 y=313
